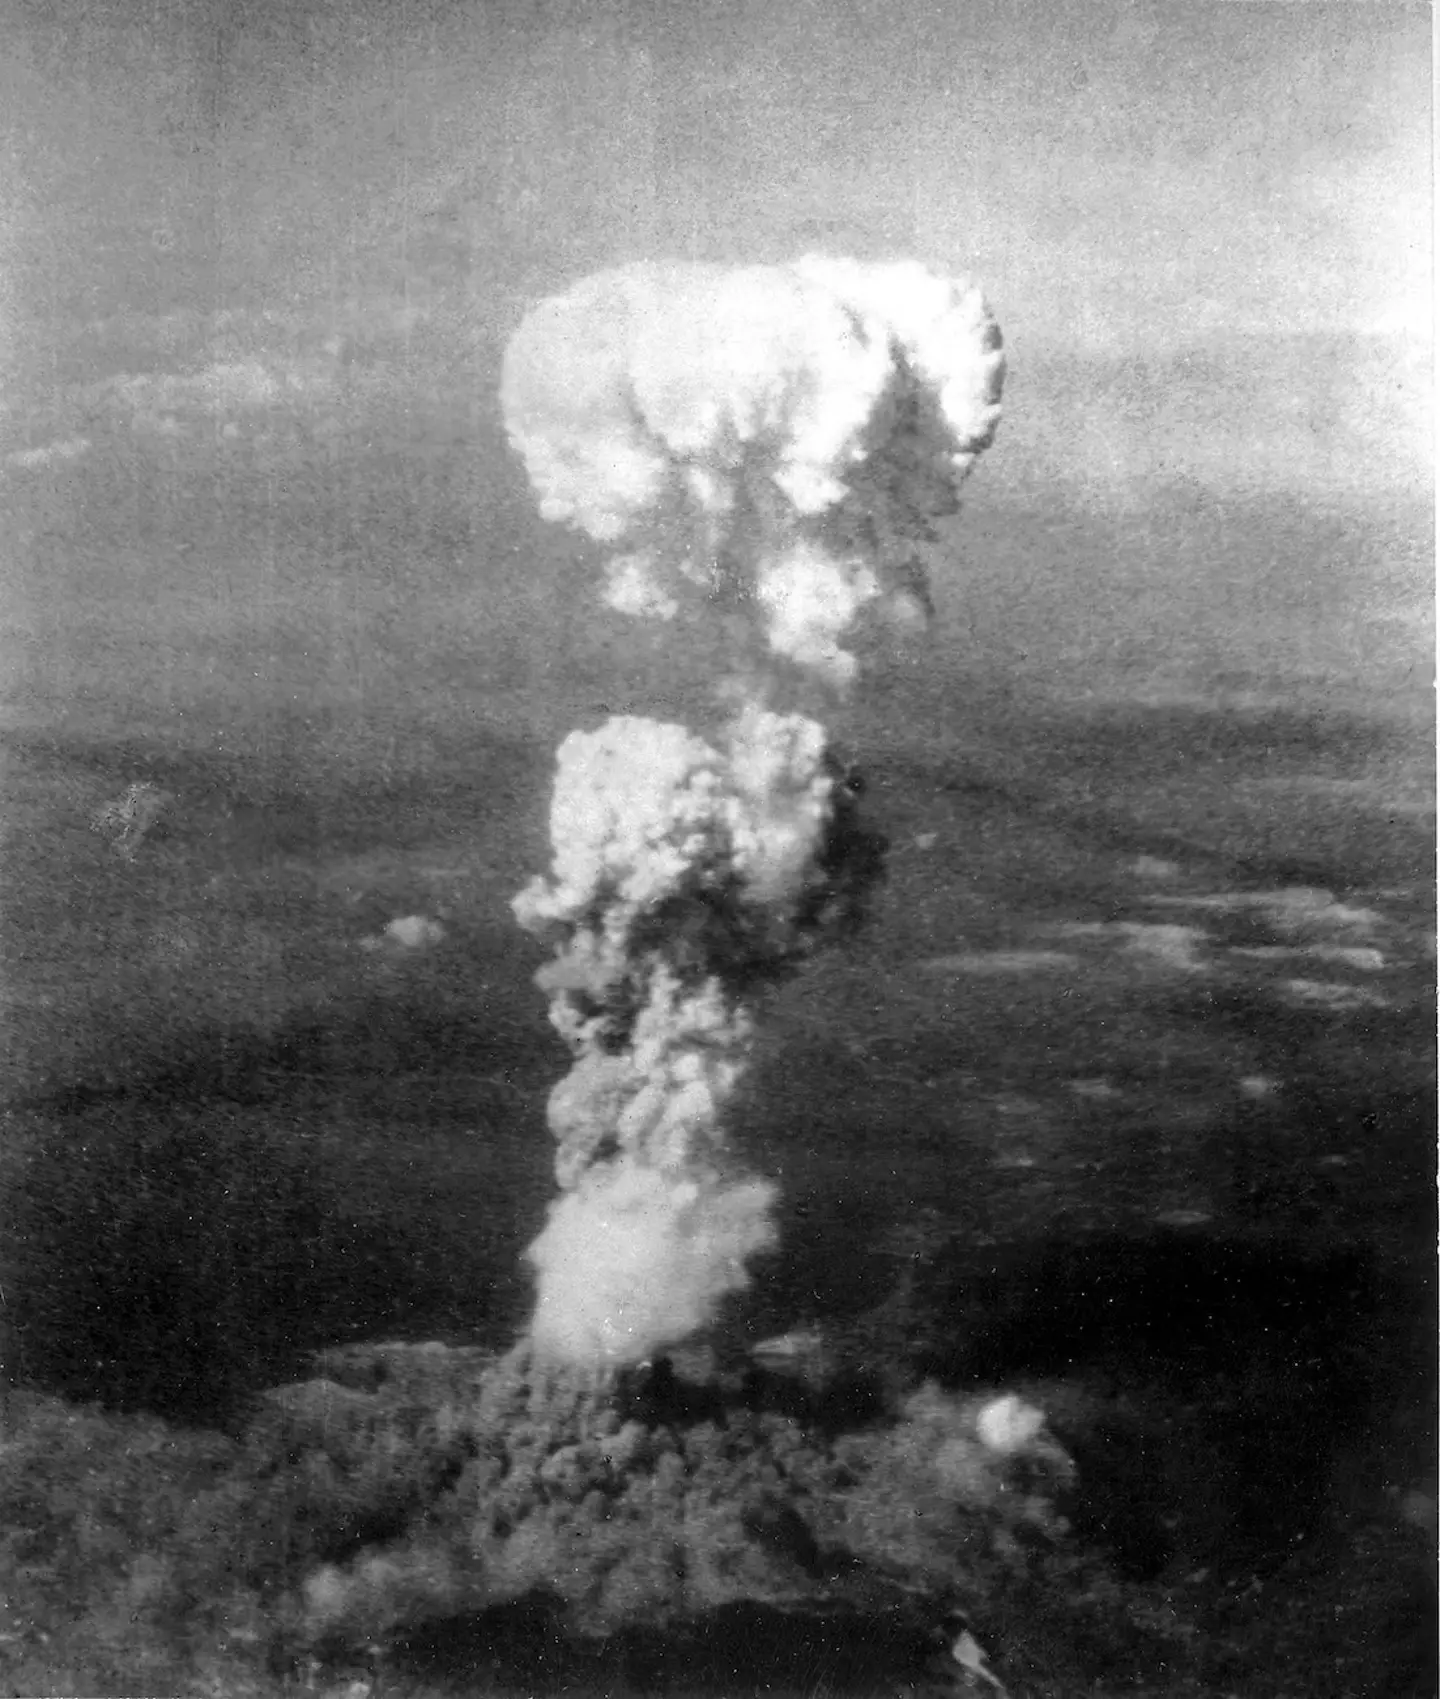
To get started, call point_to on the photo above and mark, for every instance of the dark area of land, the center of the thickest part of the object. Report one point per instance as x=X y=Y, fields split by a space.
x=1124 y=1098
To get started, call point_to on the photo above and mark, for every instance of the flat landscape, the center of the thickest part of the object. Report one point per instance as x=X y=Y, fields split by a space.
x=1123 y=1097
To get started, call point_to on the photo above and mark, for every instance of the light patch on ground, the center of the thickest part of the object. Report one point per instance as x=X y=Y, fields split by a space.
x=1361 y=957
x=66 y=448
x=1171 y=946
x=1155 y=868
x=1093 y=1091
x=127 y=820
x=1318 y=994
x=1194 y=1217
x=985 y=962
x=1295 y=909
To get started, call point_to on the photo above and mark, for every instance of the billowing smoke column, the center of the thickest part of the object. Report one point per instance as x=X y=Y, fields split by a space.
x=762 y=449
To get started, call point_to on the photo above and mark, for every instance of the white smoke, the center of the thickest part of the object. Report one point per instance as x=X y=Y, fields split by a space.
x=810 y=600
x=770 y=431
x=678 y=873
x=633 y=1258
x=768 y=442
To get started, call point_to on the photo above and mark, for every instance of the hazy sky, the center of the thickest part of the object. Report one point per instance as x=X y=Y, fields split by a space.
x=301 y=226
x=1122 y=177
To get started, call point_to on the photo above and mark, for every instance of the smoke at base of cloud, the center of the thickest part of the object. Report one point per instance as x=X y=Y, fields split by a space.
x=635 y=1258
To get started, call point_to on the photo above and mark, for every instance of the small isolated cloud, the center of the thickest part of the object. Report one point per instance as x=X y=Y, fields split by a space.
x=272 y=379
x=408 y=932
x=253 y=380
x=224 y=392
x=66 y=448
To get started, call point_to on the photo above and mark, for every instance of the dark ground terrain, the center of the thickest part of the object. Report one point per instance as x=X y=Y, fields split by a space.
x=1124 y=1098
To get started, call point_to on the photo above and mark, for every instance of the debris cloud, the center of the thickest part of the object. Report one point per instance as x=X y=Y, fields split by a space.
x=764 y=451
x=773 y=438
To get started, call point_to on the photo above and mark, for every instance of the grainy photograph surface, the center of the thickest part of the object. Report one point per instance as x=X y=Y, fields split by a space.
x=717 y=898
